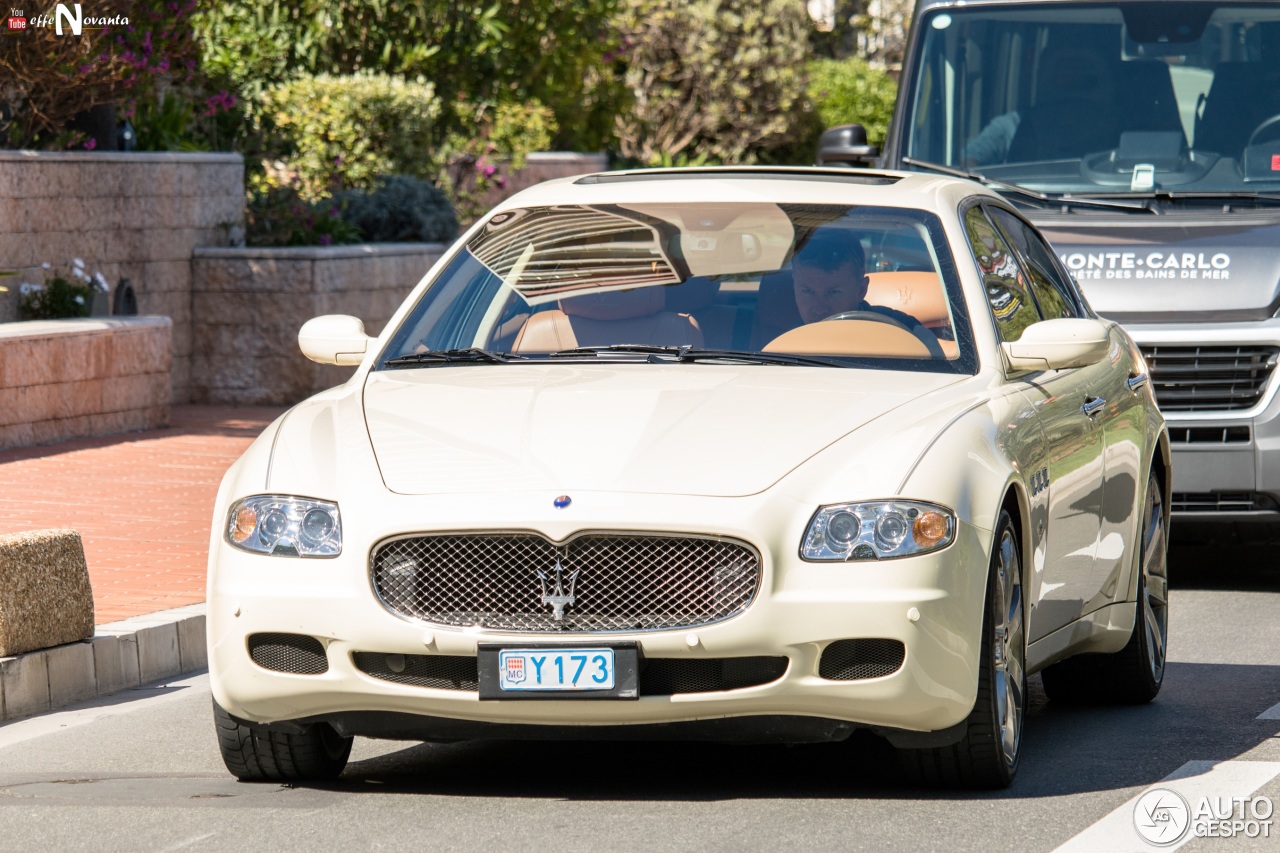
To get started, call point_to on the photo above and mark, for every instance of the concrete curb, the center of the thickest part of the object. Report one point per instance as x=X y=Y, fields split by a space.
x=120 y=656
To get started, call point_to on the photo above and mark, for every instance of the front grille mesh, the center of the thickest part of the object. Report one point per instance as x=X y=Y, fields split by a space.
x=632 y=582
x=855 y=660
x=659 y=676
x=1223 y=502
x=293 y=653
x=669 y=676
x=443 y=672
x=1211 y=378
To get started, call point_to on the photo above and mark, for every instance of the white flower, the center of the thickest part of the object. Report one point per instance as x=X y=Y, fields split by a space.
x=26 y=287
x=46 y=266
x=80 y=274
x=79 y=299
x=79 y=264
x=101 y=283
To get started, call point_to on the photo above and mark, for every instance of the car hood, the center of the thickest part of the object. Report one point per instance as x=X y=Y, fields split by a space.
x=674 y=429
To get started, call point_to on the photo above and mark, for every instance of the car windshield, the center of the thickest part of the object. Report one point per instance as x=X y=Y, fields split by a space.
x=751 y=282
x=1119 y=98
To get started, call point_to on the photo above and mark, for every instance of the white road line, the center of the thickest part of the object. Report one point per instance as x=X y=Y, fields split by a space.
x=30 y=728
x=1272 y=713
x=1193 y=780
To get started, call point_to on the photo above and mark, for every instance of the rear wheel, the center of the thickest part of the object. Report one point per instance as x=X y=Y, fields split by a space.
x=987 y=756
x=258 y=754
x=1134 y=674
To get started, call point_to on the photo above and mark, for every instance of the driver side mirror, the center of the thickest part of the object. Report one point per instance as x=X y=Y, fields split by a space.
x=334 y=339
x=1057 y=344
x=846 y=145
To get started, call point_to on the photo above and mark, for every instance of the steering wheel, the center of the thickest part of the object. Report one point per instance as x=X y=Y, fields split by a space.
x=1257 y=131
x=871 y=316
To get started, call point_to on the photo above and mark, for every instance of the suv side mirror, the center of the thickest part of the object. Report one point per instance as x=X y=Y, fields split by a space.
x=1060 y=343
x=334 y=339
x=846 y=145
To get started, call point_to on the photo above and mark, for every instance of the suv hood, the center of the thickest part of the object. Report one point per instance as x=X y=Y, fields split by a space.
x=675 y=429
x=1197 y=270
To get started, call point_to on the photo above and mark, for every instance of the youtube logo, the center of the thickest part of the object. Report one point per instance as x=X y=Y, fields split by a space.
x=17 y=21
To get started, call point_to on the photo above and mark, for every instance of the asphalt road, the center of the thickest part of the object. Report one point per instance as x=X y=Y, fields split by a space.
x=141 y=771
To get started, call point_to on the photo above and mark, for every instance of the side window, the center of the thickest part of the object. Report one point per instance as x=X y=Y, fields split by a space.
x=1053 y=295
x=1011 y=305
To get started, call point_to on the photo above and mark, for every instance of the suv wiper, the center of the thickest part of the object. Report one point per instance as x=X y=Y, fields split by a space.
x=1006 y=188
x=474 y=355
x=663 y=355
x=1219 y=196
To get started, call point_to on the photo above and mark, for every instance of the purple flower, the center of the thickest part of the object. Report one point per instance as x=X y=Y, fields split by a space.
x=91 y=144
x=500 y=182
x=163 y=66
x=489 y=170
x=325 y=239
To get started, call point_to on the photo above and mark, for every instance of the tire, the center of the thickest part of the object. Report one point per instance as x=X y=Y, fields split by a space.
x=1133 y=675
x=257 y=754
x=988 y=754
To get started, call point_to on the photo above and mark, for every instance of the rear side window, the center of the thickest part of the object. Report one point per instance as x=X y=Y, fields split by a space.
x=1053 y=293
x=1011 y=304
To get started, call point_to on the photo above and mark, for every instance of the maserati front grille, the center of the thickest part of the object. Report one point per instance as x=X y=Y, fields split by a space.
x=596 y=582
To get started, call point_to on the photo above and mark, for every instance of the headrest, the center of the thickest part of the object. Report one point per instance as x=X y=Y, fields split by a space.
x=916 y=293
x=696 y=292
x=616 y=305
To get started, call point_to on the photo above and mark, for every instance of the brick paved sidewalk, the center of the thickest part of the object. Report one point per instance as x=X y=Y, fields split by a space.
x=143 y=502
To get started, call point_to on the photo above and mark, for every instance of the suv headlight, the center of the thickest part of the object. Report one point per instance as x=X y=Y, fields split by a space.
x=285 y=526
x=877 y=530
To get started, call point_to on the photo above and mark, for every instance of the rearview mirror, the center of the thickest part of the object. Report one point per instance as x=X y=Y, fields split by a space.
x=1057 y=344
x=334 y=339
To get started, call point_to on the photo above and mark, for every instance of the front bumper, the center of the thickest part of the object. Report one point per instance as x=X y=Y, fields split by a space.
x=800 y=610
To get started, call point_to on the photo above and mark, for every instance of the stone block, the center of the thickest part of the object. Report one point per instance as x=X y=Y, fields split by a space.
x=26 y=685
x=158 y=651
x=115 y=661
x=45 y=596
x=148 y=349
x=71 y=674
x=192 y=651
x=135 y=391
x=16 y=435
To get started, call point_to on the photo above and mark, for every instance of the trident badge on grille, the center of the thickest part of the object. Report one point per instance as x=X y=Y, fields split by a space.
x=558 y=598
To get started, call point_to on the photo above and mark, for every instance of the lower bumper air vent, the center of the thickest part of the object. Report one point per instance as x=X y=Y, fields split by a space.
x=296 y=654
x=856 y=660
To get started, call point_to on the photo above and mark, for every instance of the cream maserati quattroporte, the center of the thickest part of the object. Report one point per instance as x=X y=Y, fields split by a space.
x=740 y=454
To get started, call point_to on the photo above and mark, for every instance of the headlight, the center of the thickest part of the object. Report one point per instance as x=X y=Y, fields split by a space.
x=876 y=530
x=285 y=526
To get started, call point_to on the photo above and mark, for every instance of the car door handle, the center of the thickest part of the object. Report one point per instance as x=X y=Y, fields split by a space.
x=1136 y=381
x=1093 y=405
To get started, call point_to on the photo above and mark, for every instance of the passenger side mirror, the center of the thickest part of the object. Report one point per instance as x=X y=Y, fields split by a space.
x=334 y=339
x=846 y=145
x=1056 y=344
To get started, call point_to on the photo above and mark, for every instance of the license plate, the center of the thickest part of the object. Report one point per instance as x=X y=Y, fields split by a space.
x=559 y=671
x=543 y=669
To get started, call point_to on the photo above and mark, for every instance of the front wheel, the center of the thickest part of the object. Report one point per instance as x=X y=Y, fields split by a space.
x=258 y=754
x=1134 y=674
x=987 y=756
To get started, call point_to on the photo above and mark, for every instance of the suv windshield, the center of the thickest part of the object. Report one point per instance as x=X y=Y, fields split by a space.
x=1129 y=98
x=762 y=283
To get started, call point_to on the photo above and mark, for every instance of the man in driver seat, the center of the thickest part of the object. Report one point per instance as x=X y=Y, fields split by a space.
x=829 y=274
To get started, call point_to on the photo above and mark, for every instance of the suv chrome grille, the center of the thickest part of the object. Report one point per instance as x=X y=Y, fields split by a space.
x=1211 y=378
x=603 y=582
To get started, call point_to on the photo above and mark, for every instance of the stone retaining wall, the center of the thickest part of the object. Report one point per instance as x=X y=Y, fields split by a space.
x=250 y=303
x=136 y=216
x=64 y=379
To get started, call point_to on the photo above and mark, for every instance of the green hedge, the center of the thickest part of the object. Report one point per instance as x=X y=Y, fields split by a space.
x=344 y=132
x=845 y=91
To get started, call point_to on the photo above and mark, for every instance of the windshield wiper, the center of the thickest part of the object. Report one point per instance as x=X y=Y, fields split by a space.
x=1219 y=196
x=666 y=355
x=473 y=355
x=1006 y=188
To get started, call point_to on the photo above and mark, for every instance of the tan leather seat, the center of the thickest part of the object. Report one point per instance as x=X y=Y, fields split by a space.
x=600 y=319
x=919 y=294
x=850 y=337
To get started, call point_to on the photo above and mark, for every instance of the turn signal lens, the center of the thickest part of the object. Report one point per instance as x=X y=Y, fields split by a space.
x=931 y=529
x=245 y=524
